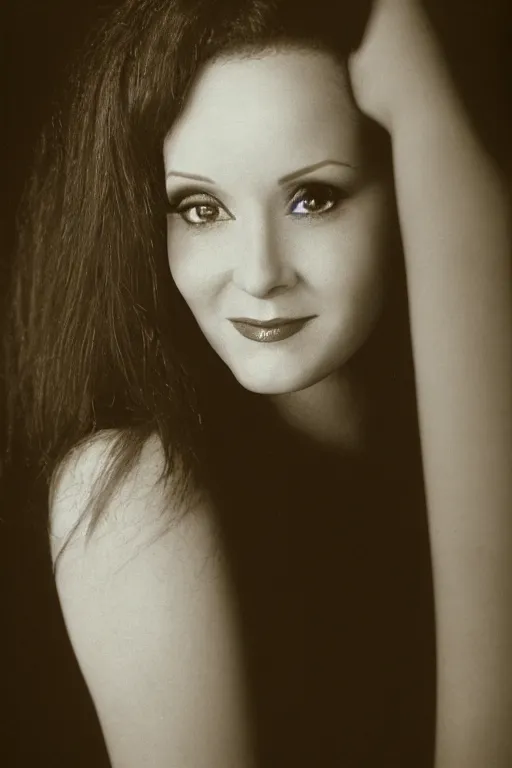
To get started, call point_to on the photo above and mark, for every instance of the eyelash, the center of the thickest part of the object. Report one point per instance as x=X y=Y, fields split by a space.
x=334 y=194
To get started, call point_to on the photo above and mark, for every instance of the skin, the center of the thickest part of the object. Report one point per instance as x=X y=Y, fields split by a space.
x=261 y=247
x=457 y=232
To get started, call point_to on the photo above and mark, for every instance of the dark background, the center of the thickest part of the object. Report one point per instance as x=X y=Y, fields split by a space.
x=52 y=721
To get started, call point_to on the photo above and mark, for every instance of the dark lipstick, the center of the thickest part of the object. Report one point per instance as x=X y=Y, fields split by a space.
x=269 y=330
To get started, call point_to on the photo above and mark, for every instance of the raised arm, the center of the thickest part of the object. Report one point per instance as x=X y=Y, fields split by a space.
x=455 y=218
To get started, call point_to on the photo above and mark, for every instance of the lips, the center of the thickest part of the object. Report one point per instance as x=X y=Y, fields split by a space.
x=269 y=331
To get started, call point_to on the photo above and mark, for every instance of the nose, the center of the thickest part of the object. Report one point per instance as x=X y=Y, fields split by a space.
x=262 y=268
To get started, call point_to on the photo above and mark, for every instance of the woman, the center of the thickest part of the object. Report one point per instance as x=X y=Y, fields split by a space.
x=198 y=388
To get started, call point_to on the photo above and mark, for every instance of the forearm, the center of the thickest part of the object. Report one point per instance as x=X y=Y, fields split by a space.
x=456 y=227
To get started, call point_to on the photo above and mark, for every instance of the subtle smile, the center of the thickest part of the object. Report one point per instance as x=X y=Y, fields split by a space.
x=269 y=331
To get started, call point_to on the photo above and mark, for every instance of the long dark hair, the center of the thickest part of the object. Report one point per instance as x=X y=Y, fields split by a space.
x=99 y=337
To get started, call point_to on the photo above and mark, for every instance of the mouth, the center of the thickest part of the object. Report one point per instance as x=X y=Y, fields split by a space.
x=268 y=331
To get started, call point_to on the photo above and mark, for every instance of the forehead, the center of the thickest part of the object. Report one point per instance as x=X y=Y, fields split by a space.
x=276 y=110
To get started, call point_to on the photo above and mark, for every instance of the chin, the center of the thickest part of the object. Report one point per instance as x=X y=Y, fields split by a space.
x=277 y=383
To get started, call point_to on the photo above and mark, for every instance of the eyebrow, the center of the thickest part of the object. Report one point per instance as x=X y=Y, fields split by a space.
x=310 y=168
x=194 y=176
x=282 y=180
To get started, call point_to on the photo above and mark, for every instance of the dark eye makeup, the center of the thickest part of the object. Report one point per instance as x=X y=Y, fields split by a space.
x=207 y=208
x=313 y=199
x=316 y=199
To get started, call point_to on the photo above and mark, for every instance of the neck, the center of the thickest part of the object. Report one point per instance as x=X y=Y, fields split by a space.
x=332 y=413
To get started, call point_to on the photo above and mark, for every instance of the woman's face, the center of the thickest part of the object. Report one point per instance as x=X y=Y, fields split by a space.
x=277 y=218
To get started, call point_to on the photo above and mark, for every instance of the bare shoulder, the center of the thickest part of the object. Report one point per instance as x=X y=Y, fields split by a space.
x=150 y=613
x=138 y=516
x=79 y=476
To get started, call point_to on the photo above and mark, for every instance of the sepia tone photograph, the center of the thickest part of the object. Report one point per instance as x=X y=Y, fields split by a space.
x=256 y=384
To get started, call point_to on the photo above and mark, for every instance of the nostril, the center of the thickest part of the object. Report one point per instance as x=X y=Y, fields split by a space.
x=264 y=280
x=277 y=291
x=264 y=291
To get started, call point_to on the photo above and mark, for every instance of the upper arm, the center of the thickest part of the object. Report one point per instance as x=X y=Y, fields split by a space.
x=151 y=619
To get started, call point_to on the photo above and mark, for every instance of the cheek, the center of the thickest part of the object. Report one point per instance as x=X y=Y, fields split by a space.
x=352 y=257
x=191 y=264
x=371 y=242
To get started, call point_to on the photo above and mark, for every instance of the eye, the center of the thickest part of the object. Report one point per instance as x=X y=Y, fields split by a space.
x=315 y=199
x=199 y=211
